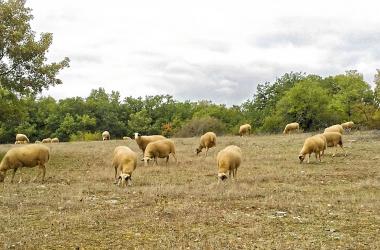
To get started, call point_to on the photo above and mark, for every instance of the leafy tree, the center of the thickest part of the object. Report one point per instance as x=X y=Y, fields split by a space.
x=140 y=122
x=23 y=66
x=377 y=87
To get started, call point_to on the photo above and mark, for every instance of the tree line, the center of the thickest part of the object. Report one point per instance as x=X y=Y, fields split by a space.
x=314 y=101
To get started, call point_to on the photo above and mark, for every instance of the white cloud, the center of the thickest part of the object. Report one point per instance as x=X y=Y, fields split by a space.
x=215 y=50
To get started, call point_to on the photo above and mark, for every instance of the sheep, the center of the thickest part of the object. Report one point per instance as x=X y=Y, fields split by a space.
x=208 y=140
x=26 y=156
x=314 y=144
x=333 y=139
x=228 y=159
x=159 y=149
x=37 y=141
x=291 y=127
x=126 y=138
x=124 y=161
x=46 y=140
x=143 y=141
x=21 y=139
x=55 y=140
x=348 y=126
x=245 y=129
x=335 y=128
x=106 y=136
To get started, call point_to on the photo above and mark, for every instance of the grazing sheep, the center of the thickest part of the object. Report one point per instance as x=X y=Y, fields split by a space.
x=348 y=126
x=291 y=127
x=333 y=139
x=21 y=139
x=143 y=141
x=208 y=140
x=37 y=141
x=26 y=156
x=55 y=140
x=228 y=159
x=159 y=149
x=106 y=136
x=314 y=144
x=126 y=138
x=46 y=140
x=124 y=161
x=335 y=128
x=245 y=129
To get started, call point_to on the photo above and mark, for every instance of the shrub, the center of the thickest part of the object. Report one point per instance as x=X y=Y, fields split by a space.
x=199 y=126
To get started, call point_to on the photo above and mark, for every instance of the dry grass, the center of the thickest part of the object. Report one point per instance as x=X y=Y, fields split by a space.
x=276 y=203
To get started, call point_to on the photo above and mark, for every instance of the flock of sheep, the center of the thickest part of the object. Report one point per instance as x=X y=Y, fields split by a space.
x=124 y=159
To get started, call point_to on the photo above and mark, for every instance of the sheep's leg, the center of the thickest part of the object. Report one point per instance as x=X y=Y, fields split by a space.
x=335 y=151
x=167 y=159
x=308 y=158
x=155 y=161
x=344 y=151
x=13 y=174
x=175 y=158
x=206 y=152
x=116 y=180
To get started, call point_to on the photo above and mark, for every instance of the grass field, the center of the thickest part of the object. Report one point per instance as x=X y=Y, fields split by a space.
x=276 y=203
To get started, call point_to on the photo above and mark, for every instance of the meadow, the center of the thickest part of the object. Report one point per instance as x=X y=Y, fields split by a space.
x=275 y=203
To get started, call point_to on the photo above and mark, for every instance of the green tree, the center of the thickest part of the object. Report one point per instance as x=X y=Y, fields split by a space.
x=23 y=63
x=140 y=122
x=377 y=87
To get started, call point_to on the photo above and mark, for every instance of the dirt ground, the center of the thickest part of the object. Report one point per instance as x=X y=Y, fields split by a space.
x=275 y=203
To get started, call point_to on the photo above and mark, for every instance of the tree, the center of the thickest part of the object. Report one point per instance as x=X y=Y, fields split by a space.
x=377 y=87
x=23 y=66
x=140 y=122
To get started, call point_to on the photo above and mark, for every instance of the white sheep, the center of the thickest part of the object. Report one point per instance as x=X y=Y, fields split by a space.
x=46 y=140
x=106 y=136
x=314 y=144
x=55 y=140
x=291 y=127
x=159 y=149
x=124 y=161
x=333 y=139
x=126 y=138
x=21 y=139
x=348 y=126
x=228 y=160
x=143 y=140
x=37 y=141
x=245 y=129
x=335 y=128
x=208 y=140
x=26 y=156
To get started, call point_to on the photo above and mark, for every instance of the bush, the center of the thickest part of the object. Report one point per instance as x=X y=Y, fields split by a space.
x=199 y=126
x=86 y=136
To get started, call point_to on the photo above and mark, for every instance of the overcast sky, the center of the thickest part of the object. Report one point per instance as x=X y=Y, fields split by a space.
x=213 y=50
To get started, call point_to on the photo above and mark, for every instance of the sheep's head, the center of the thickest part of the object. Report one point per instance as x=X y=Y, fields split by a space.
x=124 y=179
x=137 y=135
x=146 y=160
x=301 y=157
x=198 y=150
x=222 y=176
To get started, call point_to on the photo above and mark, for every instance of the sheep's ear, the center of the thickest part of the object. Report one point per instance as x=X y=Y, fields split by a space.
x=300 y=157
x=223 y=177
x=119 y=177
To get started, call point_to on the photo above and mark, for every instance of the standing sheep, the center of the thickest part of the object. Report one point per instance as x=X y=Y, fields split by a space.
x=208 y=140
x=335 y=128
x=333 y=139
x=314 y=144
x=126 y=138
x=143 y=141
x=46 y=140
x=245 y=129
x=21 y=139
x=124 y=161
x=348 y=126
x=228 y=159
x=55 y=140
x=106 y=136
x=26 y=156
x=159 y=149
x=291 y=127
